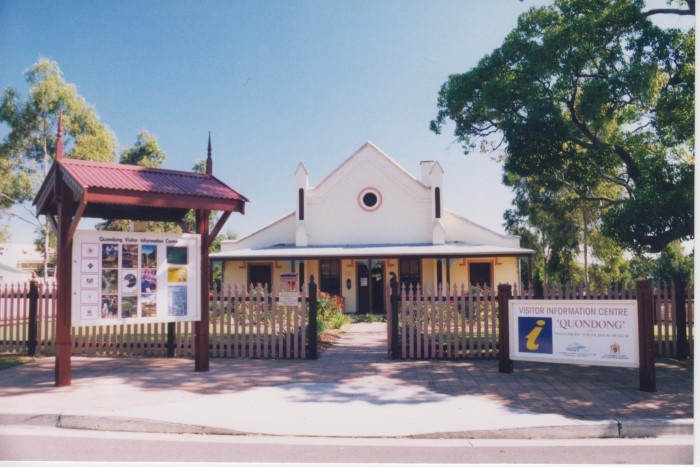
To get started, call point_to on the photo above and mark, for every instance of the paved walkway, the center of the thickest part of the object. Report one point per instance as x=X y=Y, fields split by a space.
x=353 y=389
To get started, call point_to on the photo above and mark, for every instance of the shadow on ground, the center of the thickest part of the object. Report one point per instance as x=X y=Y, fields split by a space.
x=348 y=369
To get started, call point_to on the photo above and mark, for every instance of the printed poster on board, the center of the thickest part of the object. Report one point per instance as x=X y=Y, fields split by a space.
x=135 y=277
x=593 y=332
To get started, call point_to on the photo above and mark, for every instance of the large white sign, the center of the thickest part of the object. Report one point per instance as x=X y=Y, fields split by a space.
x=135 y=277
x=593 y=332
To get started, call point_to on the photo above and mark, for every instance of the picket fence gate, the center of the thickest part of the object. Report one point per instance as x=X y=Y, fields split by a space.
x=462 y=323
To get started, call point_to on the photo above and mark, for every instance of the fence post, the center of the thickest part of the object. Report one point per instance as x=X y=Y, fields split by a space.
x=395 y=342
x=645 y=313
x=313 y=319
x=32 y=325
x=170 y=343
x=682 y=349
x=505 y=364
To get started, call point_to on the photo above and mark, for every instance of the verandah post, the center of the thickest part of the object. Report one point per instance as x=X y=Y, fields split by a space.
x=505 y=364
x=32 y=325
x=313 y=319
x=645 y=313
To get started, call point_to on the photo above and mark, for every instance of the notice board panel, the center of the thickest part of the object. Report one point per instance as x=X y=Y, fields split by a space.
x=135 y=277
x=591 y=332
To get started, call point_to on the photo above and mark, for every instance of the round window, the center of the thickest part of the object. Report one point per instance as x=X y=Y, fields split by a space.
x=370 y=199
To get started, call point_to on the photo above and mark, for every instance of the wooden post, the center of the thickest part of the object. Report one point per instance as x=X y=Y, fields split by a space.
x=63 y=347
x=170 y=343
x=395 y=342
x=201 y=327
x=32 y=328
x=313 y=319
x=680 y=284
x=505 y=364
x=645 y=313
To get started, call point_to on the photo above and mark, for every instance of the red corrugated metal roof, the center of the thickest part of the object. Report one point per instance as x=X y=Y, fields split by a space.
x=131 y=178
x=119 y=191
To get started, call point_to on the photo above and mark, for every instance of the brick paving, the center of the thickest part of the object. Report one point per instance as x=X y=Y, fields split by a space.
x=360 y=358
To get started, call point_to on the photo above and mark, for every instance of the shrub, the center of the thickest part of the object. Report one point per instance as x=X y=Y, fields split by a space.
x=330 y=313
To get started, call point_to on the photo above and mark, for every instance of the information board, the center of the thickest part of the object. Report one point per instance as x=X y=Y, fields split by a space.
x=593 y=332
x=135 y=277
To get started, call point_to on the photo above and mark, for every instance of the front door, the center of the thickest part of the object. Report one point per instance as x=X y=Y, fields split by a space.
x=370 y=286
x=363 y=303
x=377 y=304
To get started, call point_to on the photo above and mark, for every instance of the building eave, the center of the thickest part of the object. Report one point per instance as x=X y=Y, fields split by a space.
x=456 y=250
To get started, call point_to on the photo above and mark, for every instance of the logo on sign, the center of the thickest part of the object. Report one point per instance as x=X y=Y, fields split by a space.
x=535 y=335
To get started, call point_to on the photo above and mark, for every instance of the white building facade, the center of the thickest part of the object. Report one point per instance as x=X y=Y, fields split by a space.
x=367 y=219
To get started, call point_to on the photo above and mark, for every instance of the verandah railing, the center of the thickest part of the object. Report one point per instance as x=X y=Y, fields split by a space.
x=462 y=323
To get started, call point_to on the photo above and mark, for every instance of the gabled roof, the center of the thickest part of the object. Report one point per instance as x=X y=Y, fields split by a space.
x=385 y=156
x=126 y=191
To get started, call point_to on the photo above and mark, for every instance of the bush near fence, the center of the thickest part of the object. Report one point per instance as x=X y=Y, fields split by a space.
x=447 y=322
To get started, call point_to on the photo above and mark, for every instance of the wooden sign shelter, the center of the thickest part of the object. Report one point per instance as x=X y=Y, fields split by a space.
x=74 y=189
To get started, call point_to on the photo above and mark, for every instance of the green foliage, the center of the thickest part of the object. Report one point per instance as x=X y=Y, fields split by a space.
x=612 y=267
x=673 y=262
x=589 y=99
x=330 y=313
x=8 y=360
x=145 y=152
x=30 y=144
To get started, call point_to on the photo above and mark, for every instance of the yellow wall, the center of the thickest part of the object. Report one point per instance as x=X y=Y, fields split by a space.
x=504 y=270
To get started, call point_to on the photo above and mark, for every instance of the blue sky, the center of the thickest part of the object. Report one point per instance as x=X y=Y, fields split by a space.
x=276 y=82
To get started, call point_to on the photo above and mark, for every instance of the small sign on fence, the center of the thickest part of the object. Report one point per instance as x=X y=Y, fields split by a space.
x=603 y=332
x=289 y=298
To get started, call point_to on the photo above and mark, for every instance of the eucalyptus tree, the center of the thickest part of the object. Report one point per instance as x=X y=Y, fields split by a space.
x=29 y=147
x=593 y=98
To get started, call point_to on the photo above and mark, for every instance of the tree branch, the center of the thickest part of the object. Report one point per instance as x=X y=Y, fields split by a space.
x=670 y=11
x=673 y=11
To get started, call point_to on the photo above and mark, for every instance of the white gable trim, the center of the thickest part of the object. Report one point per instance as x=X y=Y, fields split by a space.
x=369 y=144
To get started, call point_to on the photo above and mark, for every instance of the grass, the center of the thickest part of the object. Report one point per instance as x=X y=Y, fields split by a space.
x=8 y=360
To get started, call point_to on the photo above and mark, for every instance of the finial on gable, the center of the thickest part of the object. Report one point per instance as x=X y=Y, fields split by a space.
x=59 y=137
x=209 y=161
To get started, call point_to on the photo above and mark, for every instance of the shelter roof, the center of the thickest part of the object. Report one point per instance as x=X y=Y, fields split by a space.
x=109 y=190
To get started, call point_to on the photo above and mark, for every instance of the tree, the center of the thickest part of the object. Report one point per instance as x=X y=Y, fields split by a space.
x=145 y=152
x=29 y=147
x=587 y=95
x=592 y=98
x=549 y=224
x=673 y=265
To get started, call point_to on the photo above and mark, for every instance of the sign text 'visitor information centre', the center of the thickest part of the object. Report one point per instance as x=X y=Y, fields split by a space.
x=593 y=332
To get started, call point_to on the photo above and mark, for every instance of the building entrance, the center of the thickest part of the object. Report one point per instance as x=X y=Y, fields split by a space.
x=370 y=286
